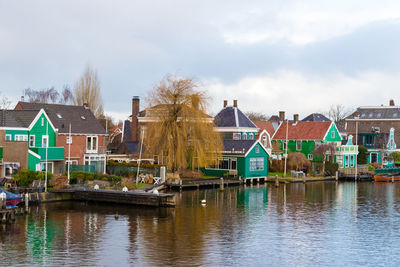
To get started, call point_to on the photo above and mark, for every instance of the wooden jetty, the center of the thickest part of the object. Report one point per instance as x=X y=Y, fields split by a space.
x=202 y=183
x=111 y=196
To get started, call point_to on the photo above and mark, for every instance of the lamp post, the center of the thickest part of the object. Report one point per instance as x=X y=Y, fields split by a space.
x=357 y=117
x=286 y=148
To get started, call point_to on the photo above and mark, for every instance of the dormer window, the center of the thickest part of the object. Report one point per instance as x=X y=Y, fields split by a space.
x=236 y=136
x=244 y=136
x=251 y=136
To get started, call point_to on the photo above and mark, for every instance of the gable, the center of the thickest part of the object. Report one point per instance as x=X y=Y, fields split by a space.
x=333 y=135
x=257 y=147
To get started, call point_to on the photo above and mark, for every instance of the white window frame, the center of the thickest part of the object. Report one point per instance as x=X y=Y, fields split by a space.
x=333 y=134
x=298 y=147
x=265 y=141
x=21 y=137
x=257 y=149
x=236 y=136
x=244 y=136
x=251 y=136
x=32 y=139
x=47 y=140
x=351 y=161
x=49 y=163
x=91 y=149
x=256 y=164
x=8 y=137
x=310 y=156
x=68 y=140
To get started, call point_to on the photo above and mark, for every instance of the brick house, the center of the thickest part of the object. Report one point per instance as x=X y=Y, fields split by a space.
x=377 y=128
x=86 y=143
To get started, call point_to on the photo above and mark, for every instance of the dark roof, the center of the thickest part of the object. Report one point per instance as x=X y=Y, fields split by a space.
x=237 y=147
x=233 y=117
x=17 y=118
x=274 y=118
x=382 y=112
x=316 y=117
x=127 y=130
x=81 y=118
x=132 y=147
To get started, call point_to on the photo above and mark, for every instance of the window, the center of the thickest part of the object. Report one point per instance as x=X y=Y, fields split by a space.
x=91 y=144
x=257 y=149
x=69 y=140
x=49 y=166
x=233 y=164
x=352 y=161
x=8 y=137
x=298 y=145
x=333 y=134
x=363 y=115
x=45 y=141
x=244 y=136
x=21 y=137
x=370 y=115
x=369 y=140
x=265 y=141
x=378 y=115
x=395 y=114
x=310 y=156
x=284 y=145
x=31 y=140
x=256 y=164
x=42 y=121
x=236 y=136
x=251 y=136
x=223 y=164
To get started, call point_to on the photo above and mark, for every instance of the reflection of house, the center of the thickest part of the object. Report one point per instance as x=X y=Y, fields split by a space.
x=243 y=155
x=88 y=138
x=373 y=125
x=28 y=140
x=303 y=136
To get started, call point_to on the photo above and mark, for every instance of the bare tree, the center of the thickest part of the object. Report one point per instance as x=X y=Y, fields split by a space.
x=324 y=150
x=49 y=95
x=181 y=130
x=5 y=103
x=338 y=113
x=87 y=91
x=256 y=116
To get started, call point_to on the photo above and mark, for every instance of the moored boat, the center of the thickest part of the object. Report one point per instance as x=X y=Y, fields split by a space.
x=386 y=177
x=12 y=200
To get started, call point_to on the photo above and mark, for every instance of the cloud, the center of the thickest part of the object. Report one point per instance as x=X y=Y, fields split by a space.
x=296 y=92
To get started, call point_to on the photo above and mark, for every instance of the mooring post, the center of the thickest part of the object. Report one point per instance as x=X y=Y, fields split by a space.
x=162 y=174
x=337 y=175
x=221 y=184
x=392 y=179
x=276 y=181
x=26 y=201
x=3 y=200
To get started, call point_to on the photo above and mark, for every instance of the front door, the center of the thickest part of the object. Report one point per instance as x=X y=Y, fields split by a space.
x=374 y=157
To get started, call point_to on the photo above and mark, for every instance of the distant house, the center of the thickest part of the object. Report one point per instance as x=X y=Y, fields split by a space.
x=243 y=155
x=28 y=141
x=86 y=143
x=378 y=129
x=304 y=136
x=266 y=129
x=316 y=117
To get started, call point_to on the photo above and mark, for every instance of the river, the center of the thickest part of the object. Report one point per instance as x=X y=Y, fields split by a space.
x=313 y=224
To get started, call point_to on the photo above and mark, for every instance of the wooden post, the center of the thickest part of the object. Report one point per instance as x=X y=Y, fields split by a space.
x=392 y=179
x=3 y=200
x=276 y=181
x=26 y=200
x=337 y=175
x=221 y=184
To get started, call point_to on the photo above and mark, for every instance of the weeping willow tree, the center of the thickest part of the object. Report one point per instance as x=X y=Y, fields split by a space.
x=178 y=128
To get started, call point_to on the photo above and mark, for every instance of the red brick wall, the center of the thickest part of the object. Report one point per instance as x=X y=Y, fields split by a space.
x=78 y=146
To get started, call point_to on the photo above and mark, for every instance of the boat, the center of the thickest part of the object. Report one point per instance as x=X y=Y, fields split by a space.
x=12 y=200
x=386 y=177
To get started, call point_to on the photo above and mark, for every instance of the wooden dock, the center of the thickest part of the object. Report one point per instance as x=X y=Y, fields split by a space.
x=110 y=196
x=202 y=183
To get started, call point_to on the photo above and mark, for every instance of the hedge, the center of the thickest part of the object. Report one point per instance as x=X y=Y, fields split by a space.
x=26 y=177
x=76 y=176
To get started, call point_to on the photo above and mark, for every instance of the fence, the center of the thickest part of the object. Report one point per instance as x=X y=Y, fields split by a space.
x=131 y=171
x=83 y=168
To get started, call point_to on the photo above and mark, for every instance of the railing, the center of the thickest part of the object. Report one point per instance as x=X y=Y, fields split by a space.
x=387 y=170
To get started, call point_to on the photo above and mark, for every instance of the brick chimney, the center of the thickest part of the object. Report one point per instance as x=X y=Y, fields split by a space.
x=296 y=118
x=391 y=103
x=134 y=126
x=235 y=103
x=281 y=115
x=225 y=103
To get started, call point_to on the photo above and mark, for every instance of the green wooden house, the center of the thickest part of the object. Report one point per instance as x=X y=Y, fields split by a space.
x=28 y=140
x=243 y=155
x=304 y=136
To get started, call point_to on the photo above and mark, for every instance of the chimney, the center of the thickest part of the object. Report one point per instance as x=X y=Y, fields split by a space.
x=391 y=103
x=281 y=115
x=296 y=118
x=134 y=126
x=22 y=98
x=225 y=103
x=235 y=103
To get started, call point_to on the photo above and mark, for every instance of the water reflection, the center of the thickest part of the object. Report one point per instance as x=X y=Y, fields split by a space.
x=295 y=224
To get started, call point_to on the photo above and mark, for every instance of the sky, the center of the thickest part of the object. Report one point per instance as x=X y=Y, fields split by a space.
x=296 y=56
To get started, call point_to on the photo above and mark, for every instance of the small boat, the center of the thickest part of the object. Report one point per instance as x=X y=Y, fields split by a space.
x=386 y=177
x=12 y=200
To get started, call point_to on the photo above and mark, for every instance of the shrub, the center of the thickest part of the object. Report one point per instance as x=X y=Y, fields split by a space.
x=331 y=168
x=26 y=177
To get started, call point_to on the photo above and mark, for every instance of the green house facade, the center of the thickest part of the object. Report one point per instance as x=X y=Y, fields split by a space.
x=243 y=155
x=304 y=136
x=28 y=142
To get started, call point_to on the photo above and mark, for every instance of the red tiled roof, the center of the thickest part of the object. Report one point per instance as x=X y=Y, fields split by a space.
x=265 y=125
x=303 y=130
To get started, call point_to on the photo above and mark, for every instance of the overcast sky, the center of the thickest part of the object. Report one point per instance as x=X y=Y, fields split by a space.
x=298 y=56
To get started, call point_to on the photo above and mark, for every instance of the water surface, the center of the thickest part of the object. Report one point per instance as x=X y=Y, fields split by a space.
x=321 y=223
